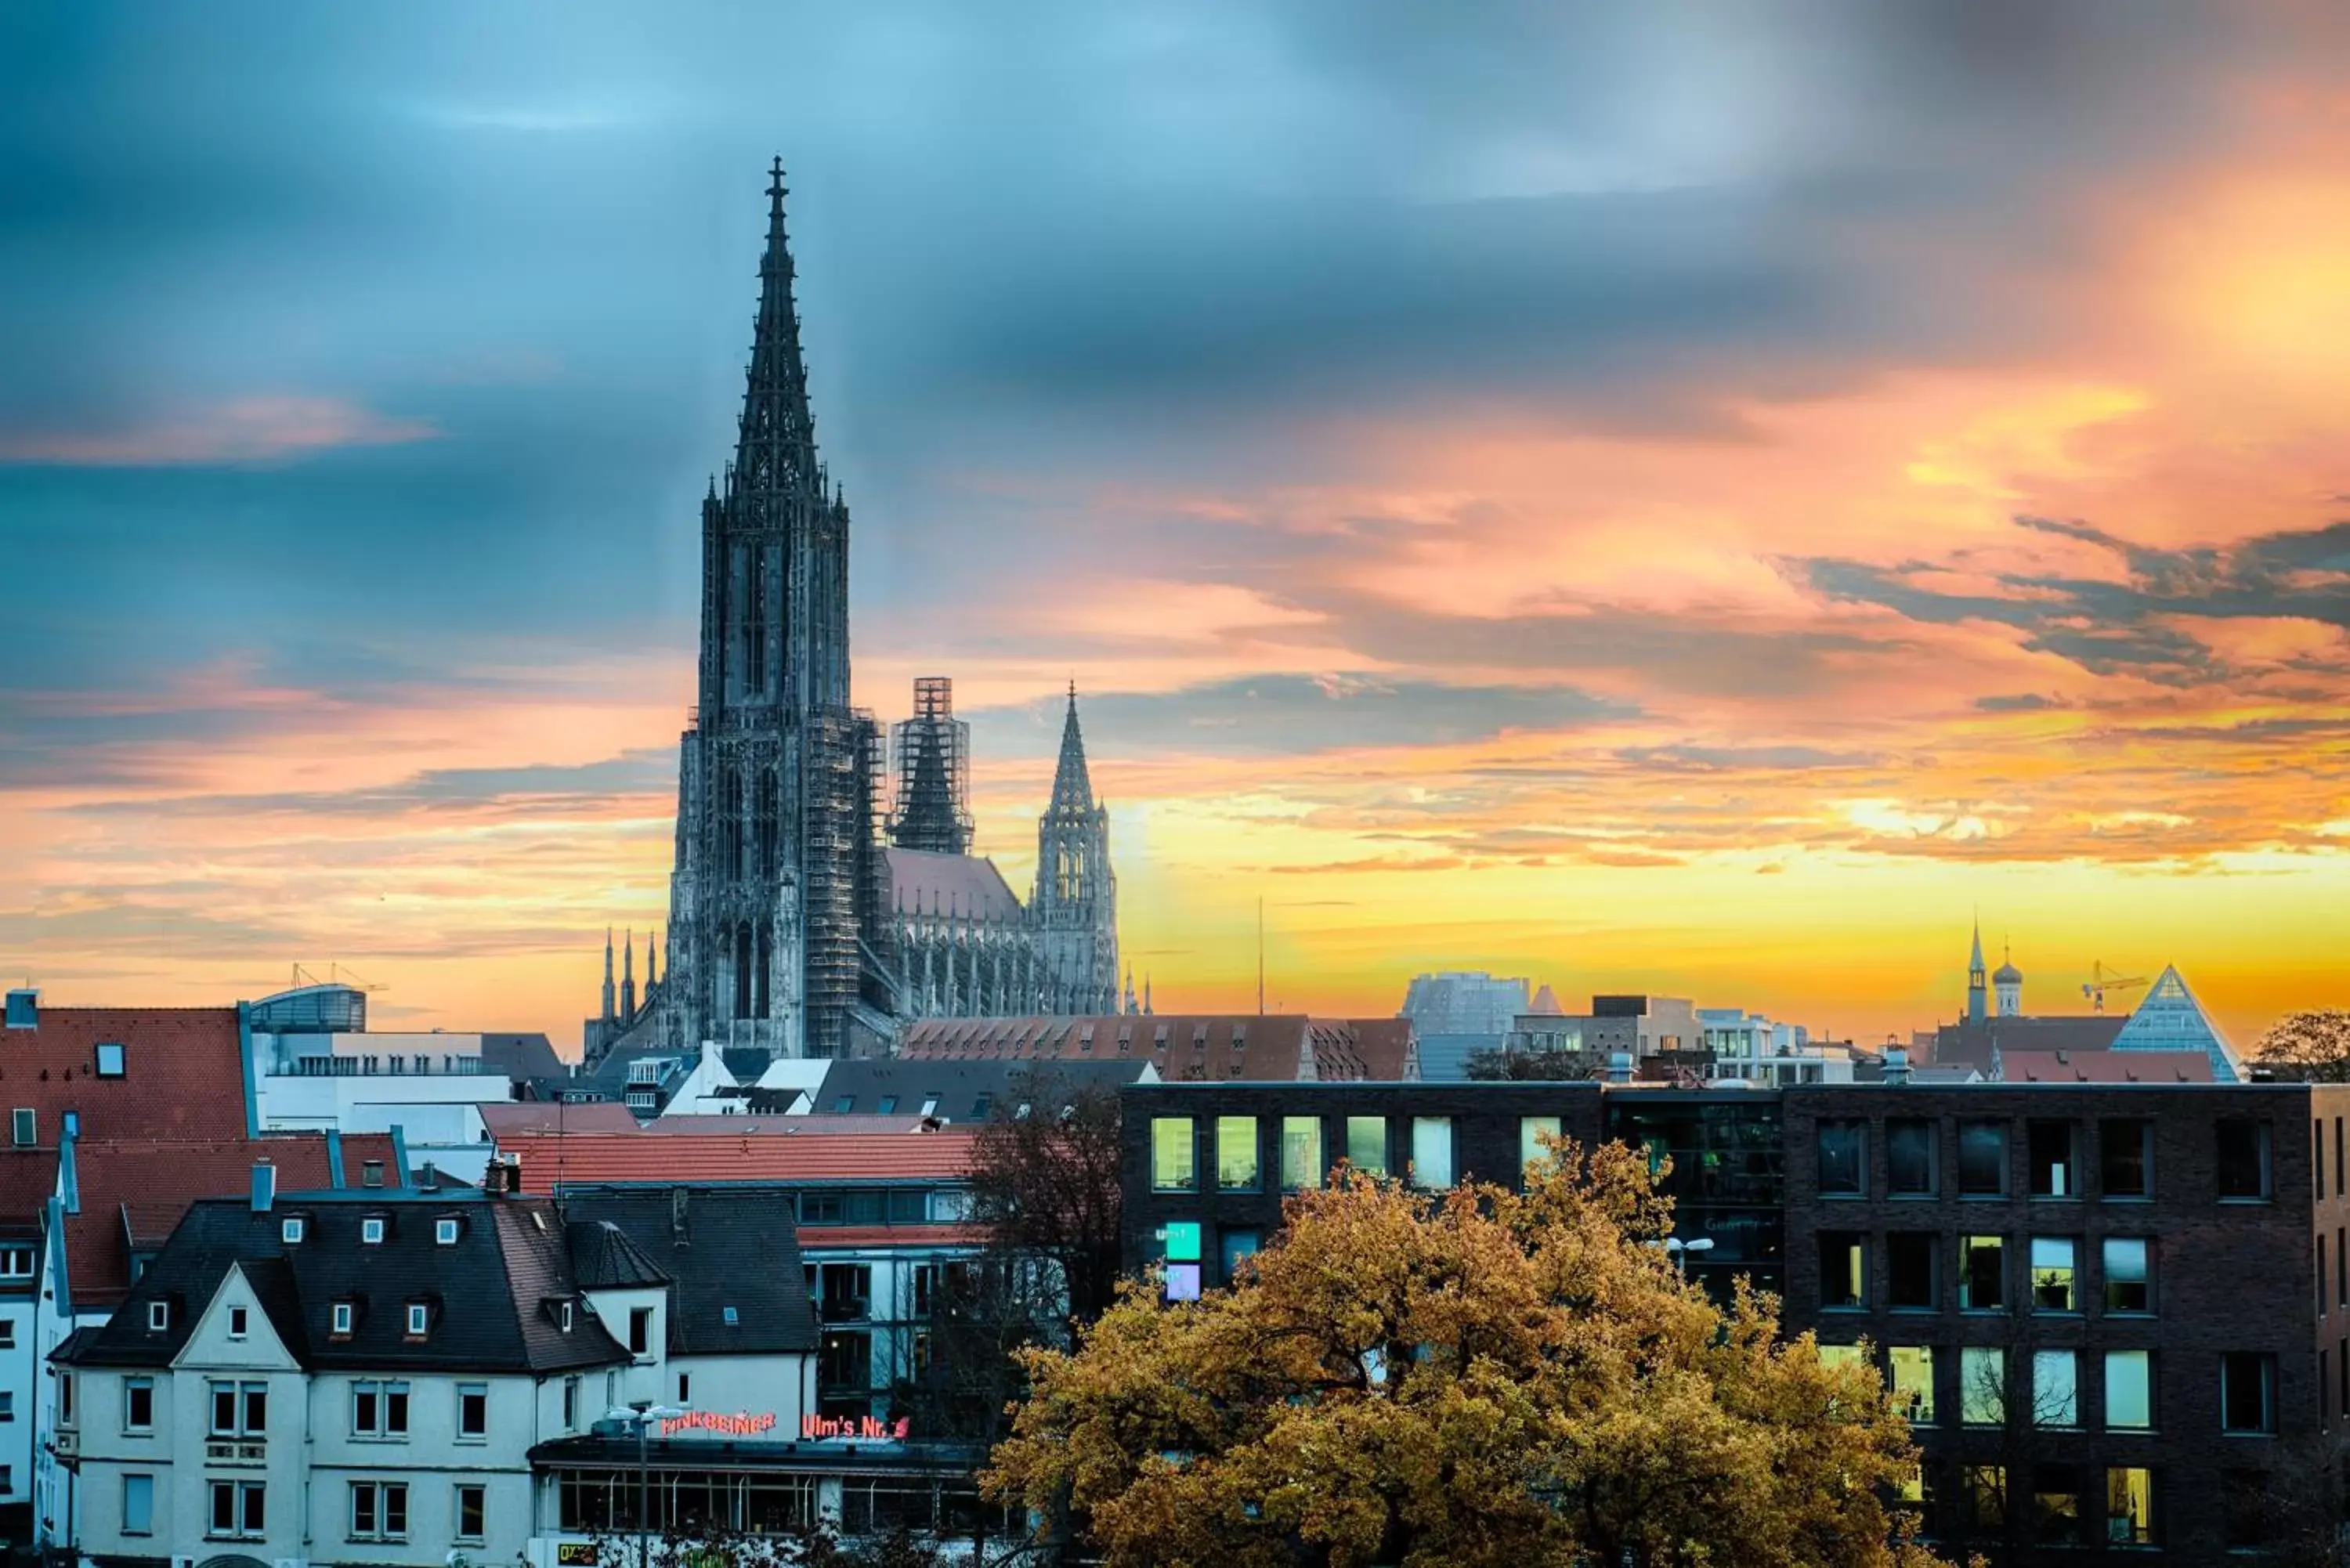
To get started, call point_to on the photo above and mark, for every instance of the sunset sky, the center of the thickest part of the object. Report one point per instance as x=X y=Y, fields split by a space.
x=1694 y=498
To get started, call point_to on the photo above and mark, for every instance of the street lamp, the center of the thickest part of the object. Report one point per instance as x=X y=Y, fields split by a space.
x=1678 y=1251
x=640 y=1415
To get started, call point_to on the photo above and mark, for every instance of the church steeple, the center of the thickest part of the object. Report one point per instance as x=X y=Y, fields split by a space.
x=629 y=977
x=607 y=974
x=1978 y=989
x=1073 y=787
x=776 y=446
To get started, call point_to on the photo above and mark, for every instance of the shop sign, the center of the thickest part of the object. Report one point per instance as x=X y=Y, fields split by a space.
x=862 y=1428
x=743 y=1424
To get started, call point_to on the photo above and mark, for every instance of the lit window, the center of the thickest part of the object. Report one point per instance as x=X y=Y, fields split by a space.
x=1236 y=1157
x=1984 y=1497
x=109 y=1059
x=1432 y=1151
x=1982 y=1386
x=1911 y=1379
x=1171 y=1155
x=1843 y=1271
x=2052 y=1274
x=2129 y=1390
x=1531 y=1131
x=2056 y=1505
x=2129 y=1507
x=1301 y=1153
x=2056 y=1388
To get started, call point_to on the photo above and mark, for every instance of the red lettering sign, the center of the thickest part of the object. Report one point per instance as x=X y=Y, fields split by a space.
x=743 y=1425
x=857 y=1429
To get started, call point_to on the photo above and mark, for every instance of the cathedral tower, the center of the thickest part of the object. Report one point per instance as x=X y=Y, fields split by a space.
x=1076 y=906
x=777 y=860
x=933 y=764
x=1977 y=992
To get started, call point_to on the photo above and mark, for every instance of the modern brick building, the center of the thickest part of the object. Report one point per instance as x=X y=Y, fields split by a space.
x=2120 y=1313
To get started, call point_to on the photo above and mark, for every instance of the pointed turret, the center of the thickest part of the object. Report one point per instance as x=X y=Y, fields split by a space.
x=776 y=446
x=629 y=977
x=1073 y=787
x=1978 y=990
x=652 y=960
x=607 y=974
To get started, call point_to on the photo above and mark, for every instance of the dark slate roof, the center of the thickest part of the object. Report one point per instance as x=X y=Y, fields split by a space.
x=722 y=1247
x=604 y=1258
x=493 y=1294
x=1977 y=1044
x=521 y=1056
x=965 y=1091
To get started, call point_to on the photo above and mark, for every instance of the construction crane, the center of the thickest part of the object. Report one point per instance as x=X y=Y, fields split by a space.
x=2102 y=980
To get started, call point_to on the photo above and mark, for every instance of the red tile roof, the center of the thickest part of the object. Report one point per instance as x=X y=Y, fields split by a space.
x=183 y=1073
x=134 y=1192
x=2105 y=1066
x=814 y=1238
x=1275 y=1048
x=806 y=1124
x=587 y=1159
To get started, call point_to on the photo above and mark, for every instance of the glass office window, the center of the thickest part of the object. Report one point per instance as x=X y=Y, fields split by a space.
x=1982 y=1274
x=1366 y=1143
x=2052 y=1274
x=2130 y=1274
x=2056 y=1388
x=2129 y=1507
x=1301 y=1152
x=1909 y=1372
x=1236 y=1164
x=1172 y=1155
x=1531 y=1131
x=1982 y=1158
x=1982 y=1386
x=1909 y=1157
x=1432 y=1151
x=2129 y=1390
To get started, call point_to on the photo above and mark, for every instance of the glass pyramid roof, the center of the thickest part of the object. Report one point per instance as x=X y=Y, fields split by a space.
x=2170 y=1019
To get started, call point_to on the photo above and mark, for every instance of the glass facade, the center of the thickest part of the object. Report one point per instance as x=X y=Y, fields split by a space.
x=1727 y=1181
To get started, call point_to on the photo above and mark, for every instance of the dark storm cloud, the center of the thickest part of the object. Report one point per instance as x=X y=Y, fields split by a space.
x=1291 y=713
x=2107 y=627
x=1049 y=237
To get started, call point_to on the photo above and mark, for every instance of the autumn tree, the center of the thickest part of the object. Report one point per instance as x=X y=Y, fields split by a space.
x=1044 y=1186
x=1477 y=1379
x=2313 y=1046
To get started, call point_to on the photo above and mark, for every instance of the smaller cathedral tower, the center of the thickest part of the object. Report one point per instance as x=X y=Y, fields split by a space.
x=1977 y=994
x=1076 y=906
x=2007 y=986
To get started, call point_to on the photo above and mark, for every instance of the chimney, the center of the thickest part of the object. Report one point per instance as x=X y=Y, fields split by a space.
x=430 y=1181
x=493 y=1178
x=264 y=1187
x=1619 y=1067
x=24 y=1009
x=1896 y=1065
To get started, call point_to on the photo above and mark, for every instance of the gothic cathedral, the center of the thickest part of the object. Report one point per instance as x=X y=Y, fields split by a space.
x=802 y=923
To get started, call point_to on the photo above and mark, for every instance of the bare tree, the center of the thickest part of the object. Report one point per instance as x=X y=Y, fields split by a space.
x=1044 y=1185
x=2313 y=1046
x=1532 y=1066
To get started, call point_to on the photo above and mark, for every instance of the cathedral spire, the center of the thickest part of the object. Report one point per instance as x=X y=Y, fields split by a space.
x=776 y=449
x=1977 y=998
x=607 y=974
x=1072 y=788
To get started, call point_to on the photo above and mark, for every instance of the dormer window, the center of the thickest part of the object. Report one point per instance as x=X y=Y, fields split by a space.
x=419 y=1318
x=444 y=1231
x=341 y=1320
x=159 y=1316
x=563 y=1316
x=371 y=1230
x=292 y=1229
x=371 y=1173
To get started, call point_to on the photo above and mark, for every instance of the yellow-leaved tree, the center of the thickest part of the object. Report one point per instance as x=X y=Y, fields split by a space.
x=1476 y=1380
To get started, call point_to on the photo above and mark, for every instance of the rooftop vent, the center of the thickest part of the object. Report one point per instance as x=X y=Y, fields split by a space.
x=1896 y=1065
